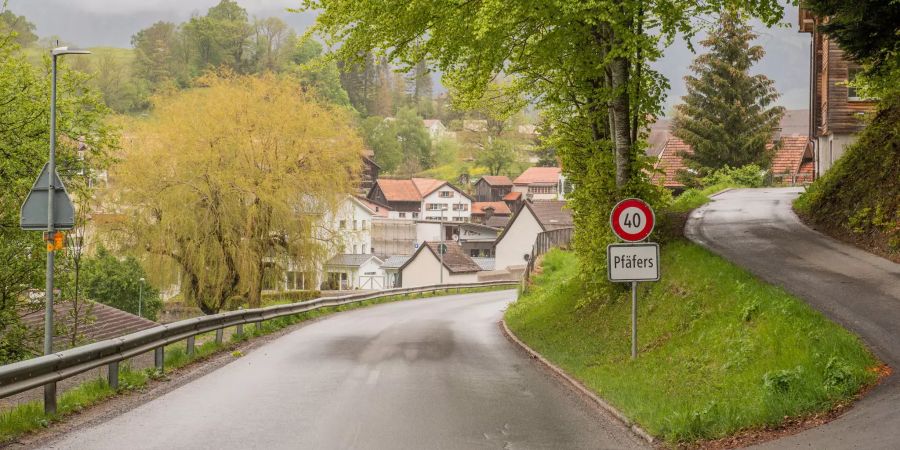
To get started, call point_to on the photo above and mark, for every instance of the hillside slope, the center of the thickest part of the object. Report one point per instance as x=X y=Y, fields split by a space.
x=859 y=198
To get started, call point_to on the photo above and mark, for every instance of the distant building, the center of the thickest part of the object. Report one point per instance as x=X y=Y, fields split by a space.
x=347 y=272
x=425 y=267
x=483 y=212
x=475 y=125
x=836 y=109
x=517 y=239
x=436 y=128
x=539 y=183
x=492 y=188
x=422 y=198
x=477 y=240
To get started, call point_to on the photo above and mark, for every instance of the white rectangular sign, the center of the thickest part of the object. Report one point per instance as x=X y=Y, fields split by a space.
x=633 y=262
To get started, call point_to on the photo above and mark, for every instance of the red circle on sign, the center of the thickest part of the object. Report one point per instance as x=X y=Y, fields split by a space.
x=640 y=218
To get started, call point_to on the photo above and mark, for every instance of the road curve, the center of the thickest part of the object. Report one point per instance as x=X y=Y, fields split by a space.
x=757 y=229
x=435 y=374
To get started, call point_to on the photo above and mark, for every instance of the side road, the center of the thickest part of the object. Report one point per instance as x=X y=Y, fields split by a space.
x=757 y=229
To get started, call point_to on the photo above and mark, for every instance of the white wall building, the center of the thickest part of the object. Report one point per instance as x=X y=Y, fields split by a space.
x=424 y=268
x=352 y=225
x=347 y=272
x=518 y=237
x=454 y=203
x=539 y=183
x=436 y=128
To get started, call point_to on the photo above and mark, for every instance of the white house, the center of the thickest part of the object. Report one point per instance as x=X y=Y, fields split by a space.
x=436 y=128
x=517 y=239
x=391 y=266
x=424 y=267
x=539 y=183
x=352 y=226
x=455 y=204
x=343 y=272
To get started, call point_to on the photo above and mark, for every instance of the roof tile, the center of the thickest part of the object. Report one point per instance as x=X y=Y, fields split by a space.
x=539 y=175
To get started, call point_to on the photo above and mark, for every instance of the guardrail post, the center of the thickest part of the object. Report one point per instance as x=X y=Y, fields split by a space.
x=113 y=375
x=219 y=335
x=50 y=398
x=239 y=330
x=259 y=326
x=159 y=358
x=190 y=346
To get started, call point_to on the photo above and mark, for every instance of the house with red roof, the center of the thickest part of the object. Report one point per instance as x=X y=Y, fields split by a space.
x=484 y=212
x=492 y=188
x=792 y=163
x=540 y=183
x=422 y=199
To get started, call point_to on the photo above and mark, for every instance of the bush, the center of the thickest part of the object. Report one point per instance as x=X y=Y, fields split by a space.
x=750 y=175
x=117 y=282
x=289 y=296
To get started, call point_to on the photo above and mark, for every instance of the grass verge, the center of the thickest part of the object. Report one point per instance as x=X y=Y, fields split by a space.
x=719 y=350
x=30 y=417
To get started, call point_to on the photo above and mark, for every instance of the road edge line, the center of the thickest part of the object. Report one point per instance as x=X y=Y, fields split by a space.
x=577 y=385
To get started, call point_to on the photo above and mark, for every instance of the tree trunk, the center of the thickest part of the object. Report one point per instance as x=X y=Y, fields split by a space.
x=620 y=120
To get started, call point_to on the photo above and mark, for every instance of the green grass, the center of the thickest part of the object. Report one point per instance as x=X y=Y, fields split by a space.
x=719 y=350
x=29 y=417
x=695 y=198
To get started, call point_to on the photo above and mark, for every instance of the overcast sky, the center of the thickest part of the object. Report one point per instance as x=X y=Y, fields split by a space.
x=112 y=23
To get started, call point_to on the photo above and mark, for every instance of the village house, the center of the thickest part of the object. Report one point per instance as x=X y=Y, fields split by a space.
x=515 y=242
x=436 y=128
x=836 y=108
x=792 y=163
x=359 y=271
x=391 y=267
x=425 y=267
x=494 y=214
x=422 y=198
x=477 y=240
x=540 y=183
x=492 y=188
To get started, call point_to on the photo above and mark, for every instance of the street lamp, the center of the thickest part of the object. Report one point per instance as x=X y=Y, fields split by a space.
x=50 y=389
x=140 y=297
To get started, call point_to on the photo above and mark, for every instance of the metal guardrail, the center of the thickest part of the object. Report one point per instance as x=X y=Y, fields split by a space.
x=50 y=369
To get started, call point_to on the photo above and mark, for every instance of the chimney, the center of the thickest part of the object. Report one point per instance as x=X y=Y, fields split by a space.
x=488 y=213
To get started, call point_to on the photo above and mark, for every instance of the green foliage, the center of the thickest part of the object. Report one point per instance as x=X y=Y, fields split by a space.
x=498 y=155
x=117 y=282
x=728 y=116
x=719 y=351
x=751 y=176
x=585 y=64
x=861 y=192
x=17 y=28
x=381 y=136
x=24 y=142
x=867 y=30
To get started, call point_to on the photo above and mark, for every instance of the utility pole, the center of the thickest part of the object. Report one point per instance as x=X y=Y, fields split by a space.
x=441 y=244
x=141 y=297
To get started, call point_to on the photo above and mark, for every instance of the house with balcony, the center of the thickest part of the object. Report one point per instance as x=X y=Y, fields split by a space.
x=492 y=188
x=540 y=183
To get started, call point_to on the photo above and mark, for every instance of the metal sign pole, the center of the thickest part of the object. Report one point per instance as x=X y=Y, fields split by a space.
x=634 y=319
x=50 y=389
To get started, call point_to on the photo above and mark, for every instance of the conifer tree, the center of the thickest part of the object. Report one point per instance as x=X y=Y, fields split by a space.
x=728 y=116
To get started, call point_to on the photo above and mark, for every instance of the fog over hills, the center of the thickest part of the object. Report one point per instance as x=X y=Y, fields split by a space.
x=113 y=22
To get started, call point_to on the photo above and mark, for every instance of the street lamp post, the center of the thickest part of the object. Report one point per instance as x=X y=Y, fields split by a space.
x=50 y=389
x=141 y=297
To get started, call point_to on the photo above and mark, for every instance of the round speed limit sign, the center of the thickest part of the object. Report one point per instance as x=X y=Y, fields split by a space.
x=632 y=220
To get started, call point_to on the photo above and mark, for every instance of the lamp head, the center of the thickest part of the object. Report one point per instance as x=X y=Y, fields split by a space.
x=69 y=51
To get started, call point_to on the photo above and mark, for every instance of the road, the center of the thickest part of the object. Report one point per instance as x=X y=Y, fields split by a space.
x=421 y=374
x=756 y=229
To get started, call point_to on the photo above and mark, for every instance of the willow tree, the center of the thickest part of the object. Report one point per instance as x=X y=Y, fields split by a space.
x=232 y=179
x=585 y=63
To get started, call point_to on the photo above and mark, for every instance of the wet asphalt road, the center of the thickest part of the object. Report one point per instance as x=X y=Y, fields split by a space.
x=422 y=374
x=756 y=229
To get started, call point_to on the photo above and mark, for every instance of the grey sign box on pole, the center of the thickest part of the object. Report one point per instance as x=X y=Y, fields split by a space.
x=34 y=211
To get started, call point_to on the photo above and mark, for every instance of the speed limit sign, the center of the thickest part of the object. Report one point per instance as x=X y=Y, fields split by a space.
x=632 y=220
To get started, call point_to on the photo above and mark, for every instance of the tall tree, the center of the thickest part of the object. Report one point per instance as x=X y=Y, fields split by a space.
x=415 y=141
x=220 y=37
x=120 y=283
x=585 y=63
x=155 y=55
x=232 y=181
x=728 y=116
x=497 y=155
x=16 y=28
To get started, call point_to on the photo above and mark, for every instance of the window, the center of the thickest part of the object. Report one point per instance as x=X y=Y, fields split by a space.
x=364 y=249
x=432 y=206
x=460 y=207
x=474 y=253
x=415 y=215
x=852 y=73
x=354 y=249
x=458 y=219
x=542 y=189
x=402 y=215
x=343 y=224
x=364 y=225
x=355 y=224
x=445 y=194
